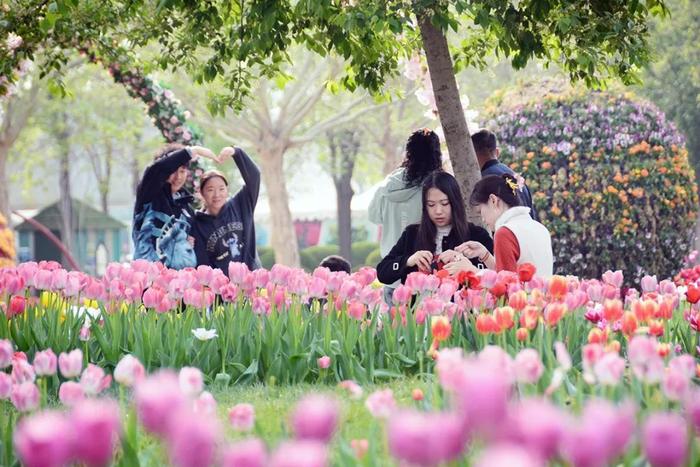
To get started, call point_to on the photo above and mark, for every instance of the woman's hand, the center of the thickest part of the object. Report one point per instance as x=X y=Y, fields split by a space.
x=422 y=259
x=472 y=249
x=201 y=151
x=449 y=256
x=226 y=153
x=455 y=267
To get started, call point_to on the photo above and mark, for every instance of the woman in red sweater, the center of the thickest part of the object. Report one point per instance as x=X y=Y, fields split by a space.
x=517 y=239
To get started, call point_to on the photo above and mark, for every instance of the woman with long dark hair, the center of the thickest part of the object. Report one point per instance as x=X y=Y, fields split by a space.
x=518 y=239
x=443 y=226
x=397 y=202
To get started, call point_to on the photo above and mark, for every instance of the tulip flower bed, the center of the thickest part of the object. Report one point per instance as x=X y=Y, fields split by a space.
x=594 y=364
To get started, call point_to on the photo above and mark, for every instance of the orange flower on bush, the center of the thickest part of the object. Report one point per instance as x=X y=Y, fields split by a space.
x=526 y=271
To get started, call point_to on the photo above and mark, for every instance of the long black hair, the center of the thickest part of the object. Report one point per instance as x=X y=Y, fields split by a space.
x=423 y=155
x=427 y=231
x=504 y=186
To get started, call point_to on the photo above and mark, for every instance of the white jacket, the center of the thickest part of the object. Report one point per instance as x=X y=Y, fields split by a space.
x=533 y=238
x=394 y=207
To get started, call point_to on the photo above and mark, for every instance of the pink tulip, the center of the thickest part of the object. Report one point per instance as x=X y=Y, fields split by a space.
x=192 y=440
x=17 y=306
x=71 y=364
x=538 y=425
x=675 y=384
x=280 y=273
x=317 y=287
x=44 y=440
x=246 y=453
x=5 y=385
x=354 y=390
x=402 y=295
x=97 y=430
x=237 y=272
x=218 y=281
x=45 y=363
x=649 y=284
x=261 y=306
x=74 y=284
x=683 y=363
x=498 y=359
x=482 y=395
x=307 y=453
x=191 y=381
x=70 y=393
x=204 y=275
x=94 y=381
x=6 y=353
x=609 y=369
x=357 y=310
x=613 y=278
x=665 y=440
x=667 y=287
x=371 y=296
x=315 y=417
x=25 y=396
x=43 y=279
x=261 y=277
x=595 y=292
x=152 y=297
x=528 y=366
x=349 y=290
x=324 y=362
x=506 y=455
x=205 y=404
x=381 y=403
x=420 y=438
x=129 y=371
x=242 y=417
x=198 y=298
x=646 y=363
x=22 y=371
x=157 y=398
x=84 y=334
x=691 y=406
x=446 y=290
x=58 y=279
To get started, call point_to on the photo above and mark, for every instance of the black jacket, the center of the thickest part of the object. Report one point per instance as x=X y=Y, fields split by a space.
x=230 y=236
x=162 y=220
x=393 y=266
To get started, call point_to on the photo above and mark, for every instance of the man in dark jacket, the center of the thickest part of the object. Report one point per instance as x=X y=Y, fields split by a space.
x=162 y=212
x=225 y=231
x=486 y=148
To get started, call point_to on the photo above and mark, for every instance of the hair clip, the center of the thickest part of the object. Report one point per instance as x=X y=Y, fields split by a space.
x=511 y=184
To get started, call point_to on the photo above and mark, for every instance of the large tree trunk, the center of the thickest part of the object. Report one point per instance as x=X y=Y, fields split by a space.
x=62 y=133
x=283 y=237
x=4 y=184
x=344 y=146
x=344 y=194
x=454 y=124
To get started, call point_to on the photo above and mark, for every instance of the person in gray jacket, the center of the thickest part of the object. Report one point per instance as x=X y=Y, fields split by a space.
x=397 y=202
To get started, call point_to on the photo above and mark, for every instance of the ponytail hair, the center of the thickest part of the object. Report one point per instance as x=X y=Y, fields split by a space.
x=505 y=186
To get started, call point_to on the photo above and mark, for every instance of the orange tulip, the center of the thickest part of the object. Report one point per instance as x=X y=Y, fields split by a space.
x=613 y=346
x=597 y=336
x=644 y=310
x=663 y=349
x=486 y=324
x=558 y=286
x=518 y=300
x=440 y=327
x=529 y=317
x=554 y=313
x=629 y=323
x=504 y=317
x=612 y=310
x=522 y=334
x=656 y=328
x=664 y=310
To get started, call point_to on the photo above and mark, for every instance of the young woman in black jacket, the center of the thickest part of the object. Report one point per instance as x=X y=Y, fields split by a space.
x=443 y=226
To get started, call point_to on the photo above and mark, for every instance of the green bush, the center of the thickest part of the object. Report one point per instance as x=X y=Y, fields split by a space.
x=360 y=251
x=610 y=179
x=311 y=256
x=267 y=256
x=373 y=258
